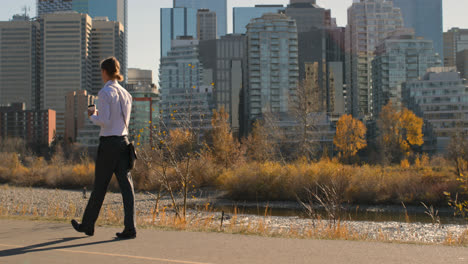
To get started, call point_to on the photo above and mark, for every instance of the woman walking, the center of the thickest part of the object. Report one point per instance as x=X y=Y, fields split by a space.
x=113 y=116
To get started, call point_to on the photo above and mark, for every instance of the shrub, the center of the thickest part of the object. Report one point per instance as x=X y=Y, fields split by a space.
x=364 y=184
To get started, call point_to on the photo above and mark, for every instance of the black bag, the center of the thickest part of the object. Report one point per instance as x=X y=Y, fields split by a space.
x=131 y=147
x=133 y=156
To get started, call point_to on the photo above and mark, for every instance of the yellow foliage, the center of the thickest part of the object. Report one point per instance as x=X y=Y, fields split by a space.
x=350 y=136
x=358 y=184
x=399 y=130
x=405 y=164
x=225 y=149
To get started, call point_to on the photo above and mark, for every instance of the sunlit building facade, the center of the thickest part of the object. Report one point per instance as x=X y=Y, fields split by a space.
x=144 y=120
x=398 y=59
x=369 y=22
x=19 y=62
x=186 y=98
x=66 y=63
x=441 y=98
x=272 y=58
x=107 y=39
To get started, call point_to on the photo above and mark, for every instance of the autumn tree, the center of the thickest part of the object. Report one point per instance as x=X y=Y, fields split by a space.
x=304 y=110
x=399 y=131
x=259 y=146
x=224 y=148
x=350 y=136
x=458 y=153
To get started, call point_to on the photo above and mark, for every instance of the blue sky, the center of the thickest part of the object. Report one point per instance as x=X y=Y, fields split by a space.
x=144 y=22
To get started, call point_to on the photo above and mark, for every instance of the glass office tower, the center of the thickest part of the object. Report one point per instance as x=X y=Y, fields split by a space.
x=425 y=17
x=241 y=16
x=218 y=6
x=176 y=22
x=51 y=6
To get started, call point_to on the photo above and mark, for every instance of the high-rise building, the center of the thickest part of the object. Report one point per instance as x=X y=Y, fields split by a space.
x=139 y=79
x=241 y=16
x=455 y=40
x=272 y=64
x=145 y=115
x=441 y=98
x=231 y=81
x=415 y=15
x=88 y=135
x=336 y=84
x=176 y=22
x=462 y=63
x=19 y=62
x=320 y=43
x=34 y=126
x=186 y=97
x=369 y=22
x=51 y=6
x=66 y=63
x=107 y=40
x=217 y=6
x=399 y=58
x=308 y=16
x=336 y=69
x=206 y=24
x=77 y=103
x=115 y=10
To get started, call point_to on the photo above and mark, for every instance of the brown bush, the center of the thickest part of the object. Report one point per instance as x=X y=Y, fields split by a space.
x=358 y=184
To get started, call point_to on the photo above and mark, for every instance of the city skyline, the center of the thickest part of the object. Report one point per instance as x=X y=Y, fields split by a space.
x=144 y=18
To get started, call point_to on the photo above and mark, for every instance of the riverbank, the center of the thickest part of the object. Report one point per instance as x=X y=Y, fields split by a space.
x=205 y=214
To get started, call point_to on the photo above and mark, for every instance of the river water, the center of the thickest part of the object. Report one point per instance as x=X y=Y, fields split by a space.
x=373 y=214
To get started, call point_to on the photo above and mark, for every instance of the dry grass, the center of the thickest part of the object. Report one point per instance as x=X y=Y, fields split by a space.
x=357 y=184
x=38 y=172
x=259 y=181
x=454 y=240
x=208 y=222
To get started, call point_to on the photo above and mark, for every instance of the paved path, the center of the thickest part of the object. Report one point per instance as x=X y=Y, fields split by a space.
x=28 y=242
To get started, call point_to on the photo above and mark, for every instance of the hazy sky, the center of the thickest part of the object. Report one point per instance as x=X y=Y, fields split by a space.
x=144 y=21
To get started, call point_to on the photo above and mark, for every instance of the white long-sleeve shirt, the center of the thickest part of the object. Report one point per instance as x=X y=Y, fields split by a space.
x=109 y=116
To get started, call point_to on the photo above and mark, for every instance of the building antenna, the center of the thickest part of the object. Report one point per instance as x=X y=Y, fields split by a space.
x=26 y=10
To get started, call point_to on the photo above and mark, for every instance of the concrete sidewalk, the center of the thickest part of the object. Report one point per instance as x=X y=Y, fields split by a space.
x=41 y=242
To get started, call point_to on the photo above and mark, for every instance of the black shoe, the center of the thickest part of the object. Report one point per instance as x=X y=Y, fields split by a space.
x=126 y=234
x=80 y=228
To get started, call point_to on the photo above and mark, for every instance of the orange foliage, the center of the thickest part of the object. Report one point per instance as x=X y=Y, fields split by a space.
x=225 y=149
x=350 y=136
x=399 y=130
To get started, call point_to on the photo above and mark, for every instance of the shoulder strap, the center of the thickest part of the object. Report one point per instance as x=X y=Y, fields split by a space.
x=121 y=110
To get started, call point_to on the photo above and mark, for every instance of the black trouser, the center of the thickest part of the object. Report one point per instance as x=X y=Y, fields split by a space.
x=113 y=157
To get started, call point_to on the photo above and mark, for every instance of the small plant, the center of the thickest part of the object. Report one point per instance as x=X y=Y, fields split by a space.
x=328 y=198
x=458 y=152
x=433 y=214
